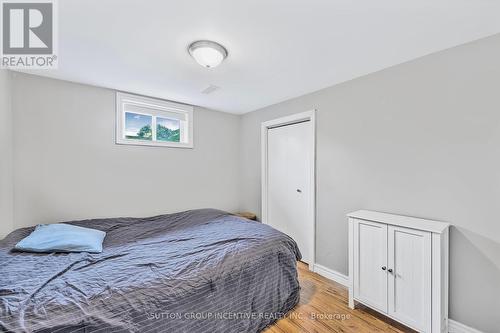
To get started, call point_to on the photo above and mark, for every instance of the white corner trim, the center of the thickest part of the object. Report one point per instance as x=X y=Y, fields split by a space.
x=331 y=274
x=456 y=327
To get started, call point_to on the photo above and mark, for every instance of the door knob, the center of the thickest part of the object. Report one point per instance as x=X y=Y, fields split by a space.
x=390 y=270
x=299 y=190
x=384 y=268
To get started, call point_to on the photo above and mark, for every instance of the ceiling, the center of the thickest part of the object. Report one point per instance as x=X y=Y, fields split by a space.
x=278 y=49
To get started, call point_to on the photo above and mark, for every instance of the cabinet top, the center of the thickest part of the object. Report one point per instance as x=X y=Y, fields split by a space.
x=400 y=220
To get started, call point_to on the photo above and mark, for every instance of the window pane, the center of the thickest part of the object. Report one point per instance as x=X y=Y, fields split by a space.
x=168 y=129
x=138 y=126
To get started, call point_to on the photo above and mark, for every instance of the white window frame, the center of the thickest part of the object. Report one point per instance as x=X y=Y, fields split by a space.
x=158 y=109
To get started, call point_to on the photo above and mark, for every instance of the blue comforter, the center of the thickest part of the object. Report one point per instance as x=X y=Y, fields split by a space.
x=195 y=271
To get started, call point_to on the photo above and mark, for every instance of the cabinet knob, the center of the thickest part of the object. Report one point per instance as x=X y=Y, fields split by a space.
x=390 y=270
x=384 y=268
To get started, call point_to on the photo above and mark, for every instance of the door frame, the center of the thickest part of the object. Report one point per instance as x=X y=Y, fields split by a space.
x=289 y=120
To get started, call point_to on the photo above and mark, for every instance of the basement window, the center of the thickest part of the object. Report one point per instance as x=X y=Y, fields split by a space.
x=148 y=121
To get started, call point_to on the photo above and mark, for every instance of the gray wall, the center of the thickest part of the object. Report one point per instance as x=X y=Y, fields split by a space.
x=6 y=186
x=67 y=165
x=421 y=139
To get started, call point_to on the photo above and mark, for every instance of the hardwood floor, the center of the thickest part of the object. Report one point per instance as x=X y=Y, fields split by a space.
x=323 y=308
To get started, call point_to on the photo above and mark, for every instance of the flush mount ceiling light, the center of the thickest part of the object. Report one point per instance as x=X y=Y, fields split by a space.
x=207 y=53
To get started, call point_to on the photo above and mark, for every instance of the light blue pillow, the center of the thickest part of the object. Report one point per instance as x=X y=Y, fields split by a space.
x=62 y=237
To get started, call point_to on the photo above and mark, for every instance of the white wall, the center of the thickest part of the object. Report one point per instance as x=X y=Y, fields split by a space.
x=6 y=186
x=421 y=139
x=67 y=165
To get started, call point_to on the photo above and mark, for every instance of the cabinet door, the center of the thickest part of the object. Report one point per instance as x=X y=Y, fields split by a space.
x=410 y=279
x=370 y=261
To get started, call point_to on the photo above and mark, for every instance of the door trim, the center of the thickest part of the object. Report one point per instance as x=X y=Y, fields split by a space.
x=289 y=120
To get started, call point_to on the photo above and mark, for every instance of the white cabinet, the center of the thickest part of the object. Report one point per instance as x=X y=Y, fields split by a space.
x=409 y=283
x=371 y=250
x=398 y=266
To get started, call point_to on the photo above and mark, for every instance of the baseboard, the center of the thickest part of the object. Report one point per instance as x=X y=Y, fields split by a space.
x=331 y=274
x=453 y=326
x=456 y=327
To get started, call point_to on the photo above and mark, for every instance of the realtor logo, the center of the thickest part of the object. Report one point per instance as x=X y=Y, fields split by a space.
x=28 y=34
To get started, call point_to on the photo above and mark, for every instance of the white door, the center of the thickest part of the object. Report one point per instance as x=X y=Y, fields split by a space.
x=370 y=264
x=410 y=280
x=289 y=183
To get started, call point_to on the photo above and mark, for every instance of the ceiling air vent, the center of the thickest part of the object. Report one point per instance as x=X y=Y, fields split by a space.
x=210 y=89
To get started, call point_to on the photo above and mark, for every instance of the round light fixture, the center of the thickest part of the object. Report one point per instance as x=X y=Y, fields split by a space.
x=207 y=53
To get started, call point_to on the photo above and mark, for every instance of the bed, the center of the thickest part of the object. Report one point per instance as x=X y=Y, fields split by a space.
x=196 y=271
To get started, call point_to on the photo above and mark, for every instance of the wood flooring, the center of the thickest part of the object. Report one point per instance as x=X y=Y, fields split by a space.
x=323 y=308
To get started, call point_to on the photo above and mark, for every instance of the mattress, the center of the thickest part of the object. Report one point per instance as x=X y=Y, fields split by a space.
x=196 y=271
